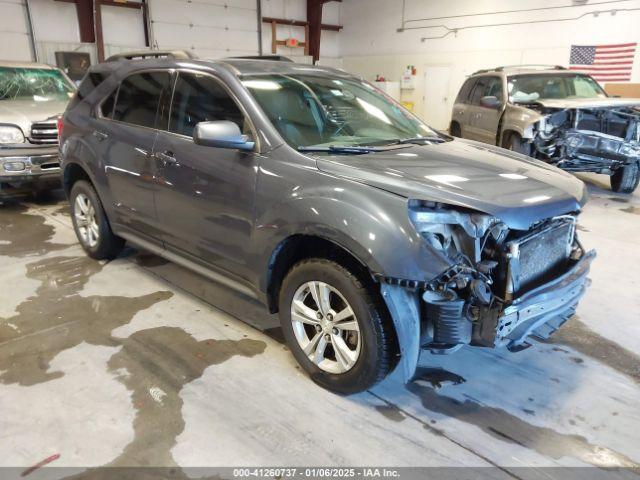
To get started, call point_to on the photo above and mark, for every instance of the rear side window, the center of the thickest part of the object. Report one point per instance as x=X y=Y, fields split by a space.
x=463 y=95
x=201 y=98
x=139 y=98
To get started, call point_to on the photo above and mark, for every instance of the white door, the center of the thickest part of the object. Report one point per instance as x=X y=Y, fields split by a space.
x=437 y=108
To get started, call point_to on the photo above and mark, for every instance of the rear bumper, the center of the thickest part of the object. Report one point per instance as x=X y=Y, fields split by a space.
x=541 y=311
x=31 y=166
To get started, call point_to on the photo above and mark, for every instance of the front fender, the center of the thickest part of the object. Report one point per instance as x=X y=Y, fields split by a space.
x=370 y=223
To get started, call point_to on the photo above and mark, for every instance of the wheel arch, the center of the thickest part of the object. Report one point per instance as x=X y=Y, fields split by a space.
x=72 y=173
x=297 y=247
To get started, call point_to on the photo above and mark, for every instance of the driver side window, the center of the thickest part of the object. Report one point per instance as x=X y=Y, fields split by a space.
x=200 y=98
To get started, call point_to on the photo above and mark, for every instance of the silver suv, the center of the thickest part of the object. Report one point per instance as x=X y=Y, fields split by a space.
x=556 y=115
x=32 y=98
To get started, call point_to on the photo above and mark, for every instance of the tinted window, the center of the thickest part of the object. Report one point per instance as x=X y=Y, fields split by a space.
x=487 y=86
x=463 y=95
x=494 y=88
x=106 y=109
x=139 y=98
x=200 y=98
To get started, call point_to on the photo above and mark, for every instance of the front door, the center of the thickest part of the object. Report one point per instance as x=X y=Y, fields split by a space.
x=127 y=140
x=206 y=195
x=483 y=120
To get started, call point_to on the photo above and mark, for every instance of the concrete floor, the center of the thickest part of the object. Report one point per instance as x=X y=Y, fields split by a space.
x=129 y=363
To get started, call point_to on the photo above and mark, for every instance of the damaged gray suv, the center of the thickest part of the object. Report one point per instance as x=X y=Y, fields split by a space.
x=375 y=238
x=559 y=116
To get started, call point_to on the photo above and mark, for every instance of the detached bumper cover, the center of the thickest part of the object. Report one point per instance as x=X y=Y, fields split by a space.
x=542 y=310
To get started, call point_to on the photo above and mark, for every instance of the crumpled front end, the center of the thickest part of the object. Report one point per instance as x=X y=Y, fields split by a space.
x=599 y=140
x=502 y=287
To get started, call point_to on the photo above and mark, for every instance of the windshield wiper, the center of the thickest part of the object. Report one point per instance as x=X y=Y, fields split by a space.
x=417 y=140
x=336 y=149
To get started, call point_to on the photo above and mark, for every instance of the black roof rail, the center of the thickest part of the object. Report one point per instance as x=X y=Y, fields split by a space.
x=143 y=54
x=277 y=58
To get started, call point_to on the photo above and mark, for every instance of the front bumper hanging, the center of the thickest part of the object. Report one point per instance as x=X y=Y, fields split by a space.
x=538 y=312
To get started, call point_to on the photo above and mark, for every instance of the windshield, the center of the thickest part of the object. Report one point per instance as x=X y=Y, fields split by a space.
x=310 y=110
x=531 y=88
x=35 y=84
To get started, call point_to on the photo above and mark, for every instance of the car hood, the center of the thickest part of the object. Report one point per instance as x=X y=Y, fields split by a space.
x=515 y=188
x=24 y=112
x=589 y=102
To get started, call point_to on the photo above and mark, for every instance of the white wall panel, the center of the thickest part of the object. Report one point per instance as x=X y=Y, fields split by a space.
x=54 y=21
x=14 y=36
x=209 y=28
x=371 y=45
x=123 y=26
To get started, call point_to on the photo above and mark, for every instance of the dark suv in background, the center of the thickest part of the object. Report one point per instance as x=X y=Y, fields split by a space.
x=372 y=235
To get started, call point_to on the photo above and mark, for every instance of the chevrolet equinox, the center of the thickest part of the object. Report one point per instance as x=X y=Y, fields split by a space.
x=373 y=236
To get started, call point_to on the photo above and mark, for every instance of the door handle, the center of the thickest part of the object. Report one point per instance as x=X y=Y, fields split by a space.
x=100 y=136
x=166 y=158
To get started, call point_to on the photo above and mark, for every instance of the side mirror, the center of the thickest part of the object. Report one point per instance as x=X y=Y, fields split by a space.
x=221 y=134
x=490 y=102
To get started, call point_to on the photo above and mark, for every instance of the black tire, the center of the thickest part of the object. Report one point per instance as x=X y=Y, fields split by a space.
x=626 y=179
x=107 y=245
x=454 y=130
x=512 y=141
x=376 y=336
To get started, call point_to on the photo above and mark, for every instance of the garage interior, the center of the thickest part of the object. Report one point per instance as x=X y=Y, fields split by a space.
x=138 y=362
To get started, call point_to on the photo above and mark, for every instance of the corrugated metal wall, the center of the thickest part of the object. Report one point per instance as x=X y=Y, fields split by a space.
x=14 y=32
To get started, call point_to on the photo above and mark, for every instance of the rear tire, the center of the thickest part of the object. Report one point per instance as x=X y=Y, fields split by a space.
x=454 y=130
x=365 y=332
x=90 y=223
x=514 y=142
x=626 y=179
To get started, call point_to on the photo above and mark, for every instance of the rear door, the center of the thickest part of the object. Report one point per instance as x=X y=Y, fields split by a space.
x=205 y=194
x=128 y=141
x=460 y=113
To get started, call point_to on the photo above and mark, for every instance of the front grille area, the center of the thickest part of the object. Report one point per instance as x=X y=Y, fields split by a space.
x=543 y=254
x=44 y=132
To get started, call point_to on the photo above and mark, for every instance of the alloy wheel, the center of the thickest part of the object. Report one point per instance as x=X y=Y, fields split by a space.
x=325 y=327
x=86 y=220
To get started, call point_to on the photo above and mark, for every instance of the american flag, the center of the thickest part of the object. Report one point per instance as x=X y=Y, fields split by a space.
x=605 y=63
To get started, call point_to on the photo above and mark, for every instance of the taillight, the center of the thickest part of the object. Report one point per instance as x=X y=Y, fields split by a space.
x=60 y=125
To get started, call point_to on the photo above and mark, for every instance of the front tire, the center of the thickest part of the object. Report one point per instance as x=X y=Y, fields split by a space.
x=90 y=223
x=335 y=327
x=626 y=179
x=514 y=142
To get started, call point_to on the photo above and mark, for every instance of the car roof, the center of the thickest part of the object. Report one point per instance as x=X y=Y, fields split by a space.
x=526 y=70
x=17 y=64
x=240 y=67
